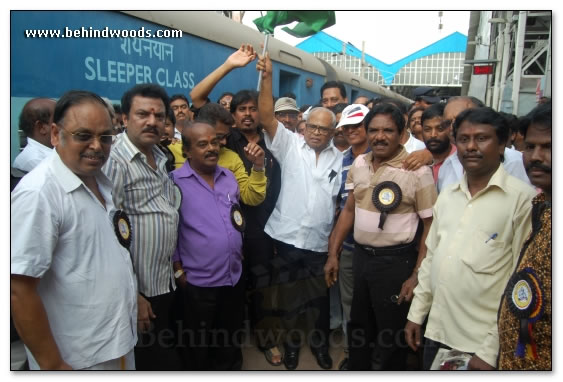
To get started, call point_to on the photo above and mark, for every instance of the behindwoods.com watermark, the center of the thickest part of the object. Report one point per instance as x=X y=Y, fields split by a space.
x=242 y=338
x=106 y=32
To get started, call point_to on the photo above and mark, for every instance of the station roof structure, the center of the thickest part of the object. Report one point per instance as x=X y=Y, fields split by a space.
x=323 y=42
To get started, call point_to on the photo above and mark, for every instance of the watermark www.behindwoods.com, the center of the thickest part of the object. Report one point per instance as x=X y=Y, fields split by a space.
x=106 y=32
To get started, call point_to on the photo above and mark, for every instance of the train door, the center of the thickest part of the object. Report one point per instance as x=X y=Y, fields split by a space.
x=289 y=83
x=354 y=95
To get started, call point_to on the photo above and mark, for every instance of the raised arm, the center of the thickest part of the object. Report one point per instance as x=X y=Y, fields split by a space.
x=238 y=59
x=265 y=97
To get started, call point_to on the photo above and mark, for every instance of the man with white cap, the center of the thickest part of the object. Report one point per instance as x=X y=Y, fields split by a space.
x=286 y=112
x=352 y=124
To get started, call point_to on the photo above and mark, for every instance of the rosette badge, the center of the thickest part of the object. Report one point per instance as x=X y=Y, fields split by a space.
x=525 y=297
x=122 y=227
x=237 y=218
x=386 y=197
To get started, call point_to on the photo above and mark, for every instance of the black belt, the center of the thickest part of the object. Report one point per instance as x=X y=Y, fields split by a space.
x=393 y=250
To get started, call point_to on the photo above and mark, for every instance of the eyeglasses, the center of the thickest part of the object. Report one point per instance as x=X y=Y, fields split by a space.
x=176 y=107
x=80 y=137
x=285 y=114
x=321 y=129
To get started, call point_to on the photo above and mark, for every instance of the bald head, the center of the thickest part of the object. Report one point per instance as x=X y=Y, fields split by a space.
x=36 y=118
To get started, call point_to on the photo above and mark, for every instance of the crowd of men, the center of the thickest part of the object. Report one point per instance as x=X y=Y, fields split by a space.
x=145 y=234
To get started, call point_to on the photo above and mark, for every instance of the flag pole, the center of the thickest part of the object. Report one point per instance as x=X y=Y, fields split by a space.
x=263 y=54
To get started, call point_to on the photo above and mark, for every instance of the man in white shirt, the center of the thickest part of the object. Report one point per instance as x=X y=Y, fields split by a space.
x=302 y=219
x=35 y=121
x=73 y=291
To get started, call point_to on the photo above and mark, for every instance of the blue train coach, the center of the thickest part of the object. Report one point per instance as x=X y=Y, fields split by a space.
x=108 y=52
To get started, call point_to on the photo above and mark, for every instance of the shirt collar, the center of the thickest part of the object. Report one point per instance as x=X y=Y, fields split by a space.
x=498 y=179
x=130 y=151
x=69 y=180
x=38 y=145
x=396 y=161
x=187 y=171
x=349 y=154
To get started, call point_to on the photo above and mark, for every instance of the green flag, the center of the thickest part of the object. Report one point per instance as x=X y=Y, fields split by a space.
x=310 y=22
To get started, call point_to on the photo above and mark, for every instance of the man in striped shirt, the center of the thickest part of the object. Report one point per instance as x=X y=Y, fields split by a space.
x=142 y=189
x=384 y=207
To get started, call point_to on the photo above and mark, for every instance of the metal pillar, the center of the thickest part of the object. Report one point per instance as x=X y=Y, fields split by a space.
x=517 y=73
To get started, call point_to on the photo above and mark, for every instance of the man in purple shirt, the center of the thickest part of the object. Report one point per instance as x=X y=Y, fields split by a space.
x=208 y=257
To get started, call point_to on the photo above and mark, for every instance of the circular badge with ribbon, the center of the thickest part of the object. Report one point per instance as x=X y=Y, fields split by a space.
x=178 y=196
x=386 y=197
x=237 y=218
x=525 y=298
x=122 y=227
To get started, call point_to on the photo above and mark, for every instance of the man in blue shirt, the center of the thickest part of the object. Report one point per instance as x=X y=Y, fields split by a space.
x=353 y=127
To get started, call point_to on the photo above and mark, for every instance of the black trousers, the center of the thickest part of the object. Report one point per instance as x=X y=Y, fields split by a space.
x=213 y=335
x=262 y=295
x=376 y=322
x=303 y=296
x=156 y=349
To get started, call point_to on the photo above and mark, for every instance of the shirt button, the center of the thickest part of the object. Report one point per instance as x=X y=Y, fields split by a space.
x=470 y=205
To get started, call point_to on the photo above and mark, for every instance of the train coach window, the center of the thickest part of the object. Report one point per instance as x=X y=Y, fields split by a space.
x=289 y=82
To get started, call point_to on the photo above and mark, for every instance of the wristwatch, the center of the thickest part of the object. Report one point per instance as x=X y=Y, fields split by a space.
x=178 y=273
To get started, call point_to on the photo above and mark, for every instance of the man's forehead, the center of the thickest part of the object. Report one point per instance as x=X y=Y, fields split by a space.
x=139 y=101
x=476 y=127
x=319 y=115
x=178 y=101
x=331 y=92
x=437 y=120
x=82 y=113
x=249 y=103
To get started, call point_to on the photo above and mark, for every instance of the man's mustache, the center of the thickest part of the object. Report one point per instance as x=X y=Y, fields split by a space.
x=539 y=166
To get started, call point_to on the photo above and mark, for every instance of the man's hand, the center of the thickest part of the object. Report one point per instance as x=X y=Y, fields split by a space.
x=407 y=289
x=417 y=159
x=255 y=154
x=476 y=363
x=182 y=281
x=412 y=335
x=264 y=64
x=144 y=314
x=331 y=270
x=241 y=57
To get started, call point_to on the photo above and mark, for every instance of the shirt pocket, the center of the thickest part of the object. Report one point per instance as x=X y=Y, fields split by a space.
x=486 y=255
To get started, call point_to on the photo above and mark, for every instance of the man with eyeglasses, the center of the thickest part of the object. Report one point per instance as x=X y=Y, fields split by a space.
x=302 y=219
x=142 y=188
x=340 y=266
x=73 y=289
x=286 y=112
